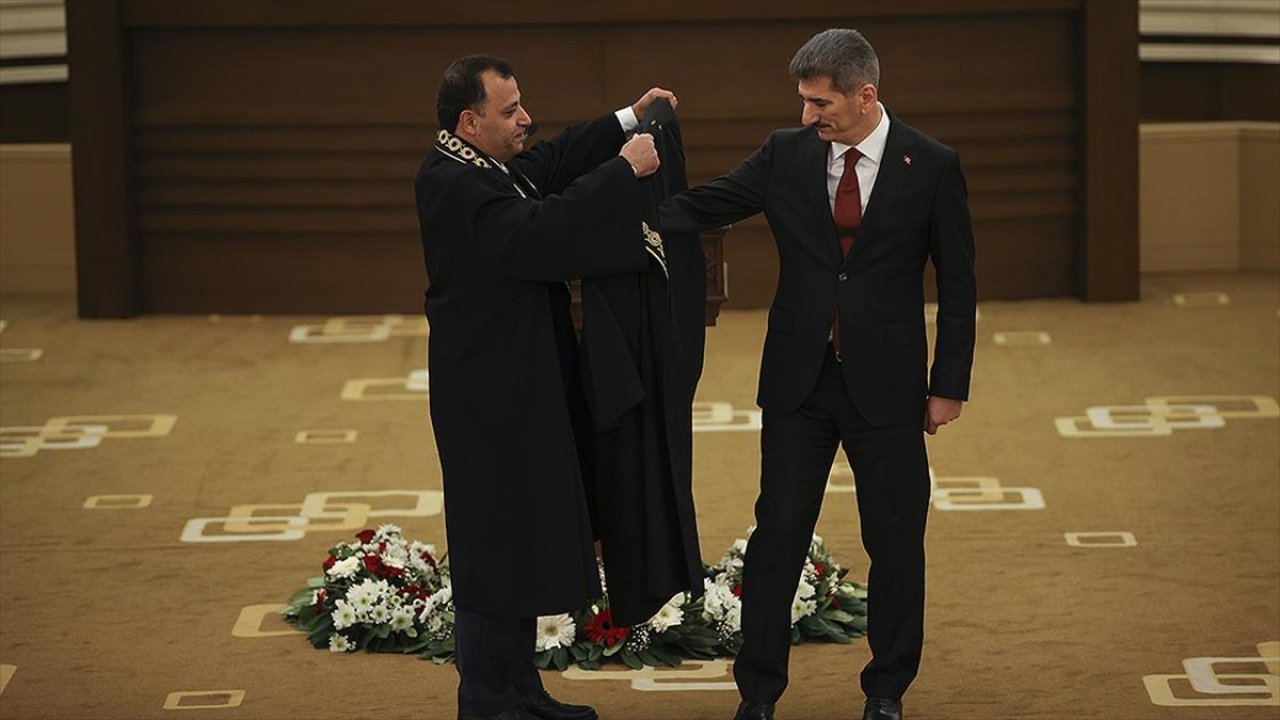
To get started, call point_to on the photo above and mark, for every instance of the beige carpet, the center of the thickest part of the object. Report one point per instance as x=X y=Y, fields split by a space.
x=115 y=597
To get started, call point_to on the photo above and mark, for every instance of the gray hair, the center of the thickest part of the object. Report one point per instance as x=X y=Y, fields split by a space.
x=840 y=54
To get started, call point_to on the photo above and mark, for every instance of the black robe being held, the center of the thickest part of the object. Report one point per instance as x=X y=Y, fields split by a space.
x=642 y=344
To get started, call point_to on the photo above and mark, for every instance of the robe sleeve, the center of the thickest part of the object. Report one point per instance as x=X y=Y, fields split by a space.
x=552 y=165
x=592 y=228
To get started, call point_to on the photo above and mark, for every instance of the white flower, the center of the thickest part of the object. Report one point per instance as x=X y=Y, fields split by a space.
x=668 y=616
x=555 y=631
x=739 y=547
x=719 y=602
x=805 y=591
x=733 y=618
x=442 y=597
x=402 y=620
x=395 y=556
x=436 y=624
x=387 y=531
x=339 y=643
x=379 y=613
x=344 y=616
x=802 y=608
x=361 y=602
x=345 y=568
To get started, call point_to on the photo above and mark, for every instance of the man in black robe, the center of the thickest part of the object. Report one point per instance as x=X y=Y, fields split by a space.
x=502 y=230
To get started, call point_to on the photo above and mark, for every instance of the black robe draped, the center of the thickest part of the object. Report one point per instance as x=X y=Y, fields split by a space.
x=642 y=344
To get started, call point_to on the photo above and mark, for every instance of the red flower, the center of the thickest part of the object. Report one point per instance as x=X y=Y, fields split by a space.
x=320 y=598
x=737 y=590
x=391 y=572
x=329 y=562
x=372 y=563
x=364 y=536
x=602 y=630
x=819 y=569
x=426 y=557
x=835 y=603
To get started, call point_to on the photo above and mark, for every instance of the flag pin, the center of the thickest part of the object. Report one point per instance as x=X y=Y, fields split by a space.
x=906 y=159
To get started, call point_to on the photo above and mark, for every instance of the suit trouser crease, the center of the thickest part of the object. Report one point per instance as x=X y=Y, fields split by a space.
x=891 y=472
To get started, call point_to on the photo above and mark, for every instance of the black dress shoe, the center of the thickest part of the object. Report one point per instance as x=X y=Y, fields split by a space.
x=544 y=707
x=882 y=708
x=754 y=711
x=515 y=713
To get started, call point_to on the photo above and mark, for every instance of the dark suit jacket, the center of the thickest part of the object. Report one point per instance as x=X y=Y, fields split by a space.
x=918 y=210
x=501 y=352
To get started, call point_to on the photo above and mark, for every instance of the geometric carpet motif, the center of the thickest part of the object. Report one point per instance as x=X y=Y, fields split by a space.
x=1077 y=570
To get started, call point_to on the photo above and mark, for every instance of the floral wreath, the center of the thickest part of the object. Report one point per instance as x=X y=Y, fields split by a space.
x=383 y=593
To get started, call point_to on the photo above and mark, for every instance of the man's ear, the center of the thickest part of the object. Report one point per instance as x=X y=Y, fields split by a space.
x=467 y=122
x=867 y=96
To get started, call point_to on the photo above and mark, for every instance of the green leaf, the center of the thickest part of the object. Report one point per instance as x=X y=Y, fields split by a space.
x=560 y=657
x=542 y=660
x=611 y=651
x=839 y=616
x=666 y=658
x=648 y=658
x=631 y=660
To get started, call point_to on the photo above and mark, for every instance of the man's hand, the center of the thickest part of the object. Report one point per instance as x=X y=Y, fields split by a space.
x=647 y=99
x=939 y=411
x=643 y=156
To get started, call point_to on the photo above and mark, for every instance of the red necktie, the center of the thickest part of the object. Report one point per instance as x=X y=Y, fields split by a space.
x=848 y=216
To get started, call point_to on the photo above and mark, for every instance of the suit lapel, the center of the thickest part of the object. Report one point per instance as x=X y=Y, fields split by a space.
x=814 y=154
x=895 y=168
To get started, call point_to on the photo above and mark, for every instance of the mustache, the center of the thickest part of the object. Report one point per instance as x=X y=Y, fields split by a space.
x=529 y=131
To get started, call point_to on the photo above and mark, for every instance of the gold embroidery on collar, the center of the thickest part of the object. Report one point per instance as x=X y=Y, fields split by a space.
x=455 y=148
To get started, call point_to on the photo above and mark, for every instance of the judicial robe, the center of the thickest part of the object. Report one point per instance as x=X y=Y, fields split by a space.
x=504 y=392
x=642 y=341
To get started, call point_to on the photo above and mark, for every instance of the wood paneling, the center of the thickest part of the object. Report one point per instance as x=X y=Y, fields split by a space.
x=1109 y=244
x=1194 y=92
x=34 y=113
x=267 y=137
x=107 y=280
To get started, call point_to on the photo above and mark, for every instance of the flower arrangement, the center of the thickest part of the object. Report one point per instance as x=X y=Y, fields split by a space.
x=384 y=594
x=381 y=593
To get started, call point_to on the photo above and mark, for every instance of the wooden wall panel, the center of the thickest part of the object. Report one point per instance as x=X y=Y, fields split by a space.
x=267 y=137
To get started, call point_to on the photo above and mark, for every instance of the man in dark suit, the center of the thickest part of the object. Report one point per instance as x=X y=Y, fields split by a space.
x=857 y=202
x=502 y=230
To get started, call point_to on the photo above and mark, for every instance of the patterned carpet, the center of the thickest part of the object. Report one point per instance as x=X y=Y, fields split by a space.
x=1104 y=540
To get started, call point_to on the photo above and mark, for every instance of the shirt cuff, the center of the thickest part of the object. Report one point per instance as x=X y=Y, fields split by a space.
x=627 y=119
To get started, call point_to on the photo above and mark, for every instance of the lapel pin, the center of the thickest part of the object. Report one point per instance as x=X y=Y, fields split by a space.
x=906 y=159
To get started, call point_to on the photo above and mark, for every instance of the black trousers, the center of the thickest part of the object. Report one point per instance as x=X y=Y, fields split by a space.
x=495 y=662
x=891 y=471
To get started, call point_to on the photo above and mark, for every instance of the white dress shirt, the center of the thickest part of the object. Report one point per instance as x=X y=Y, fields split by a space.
x=868 y=167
